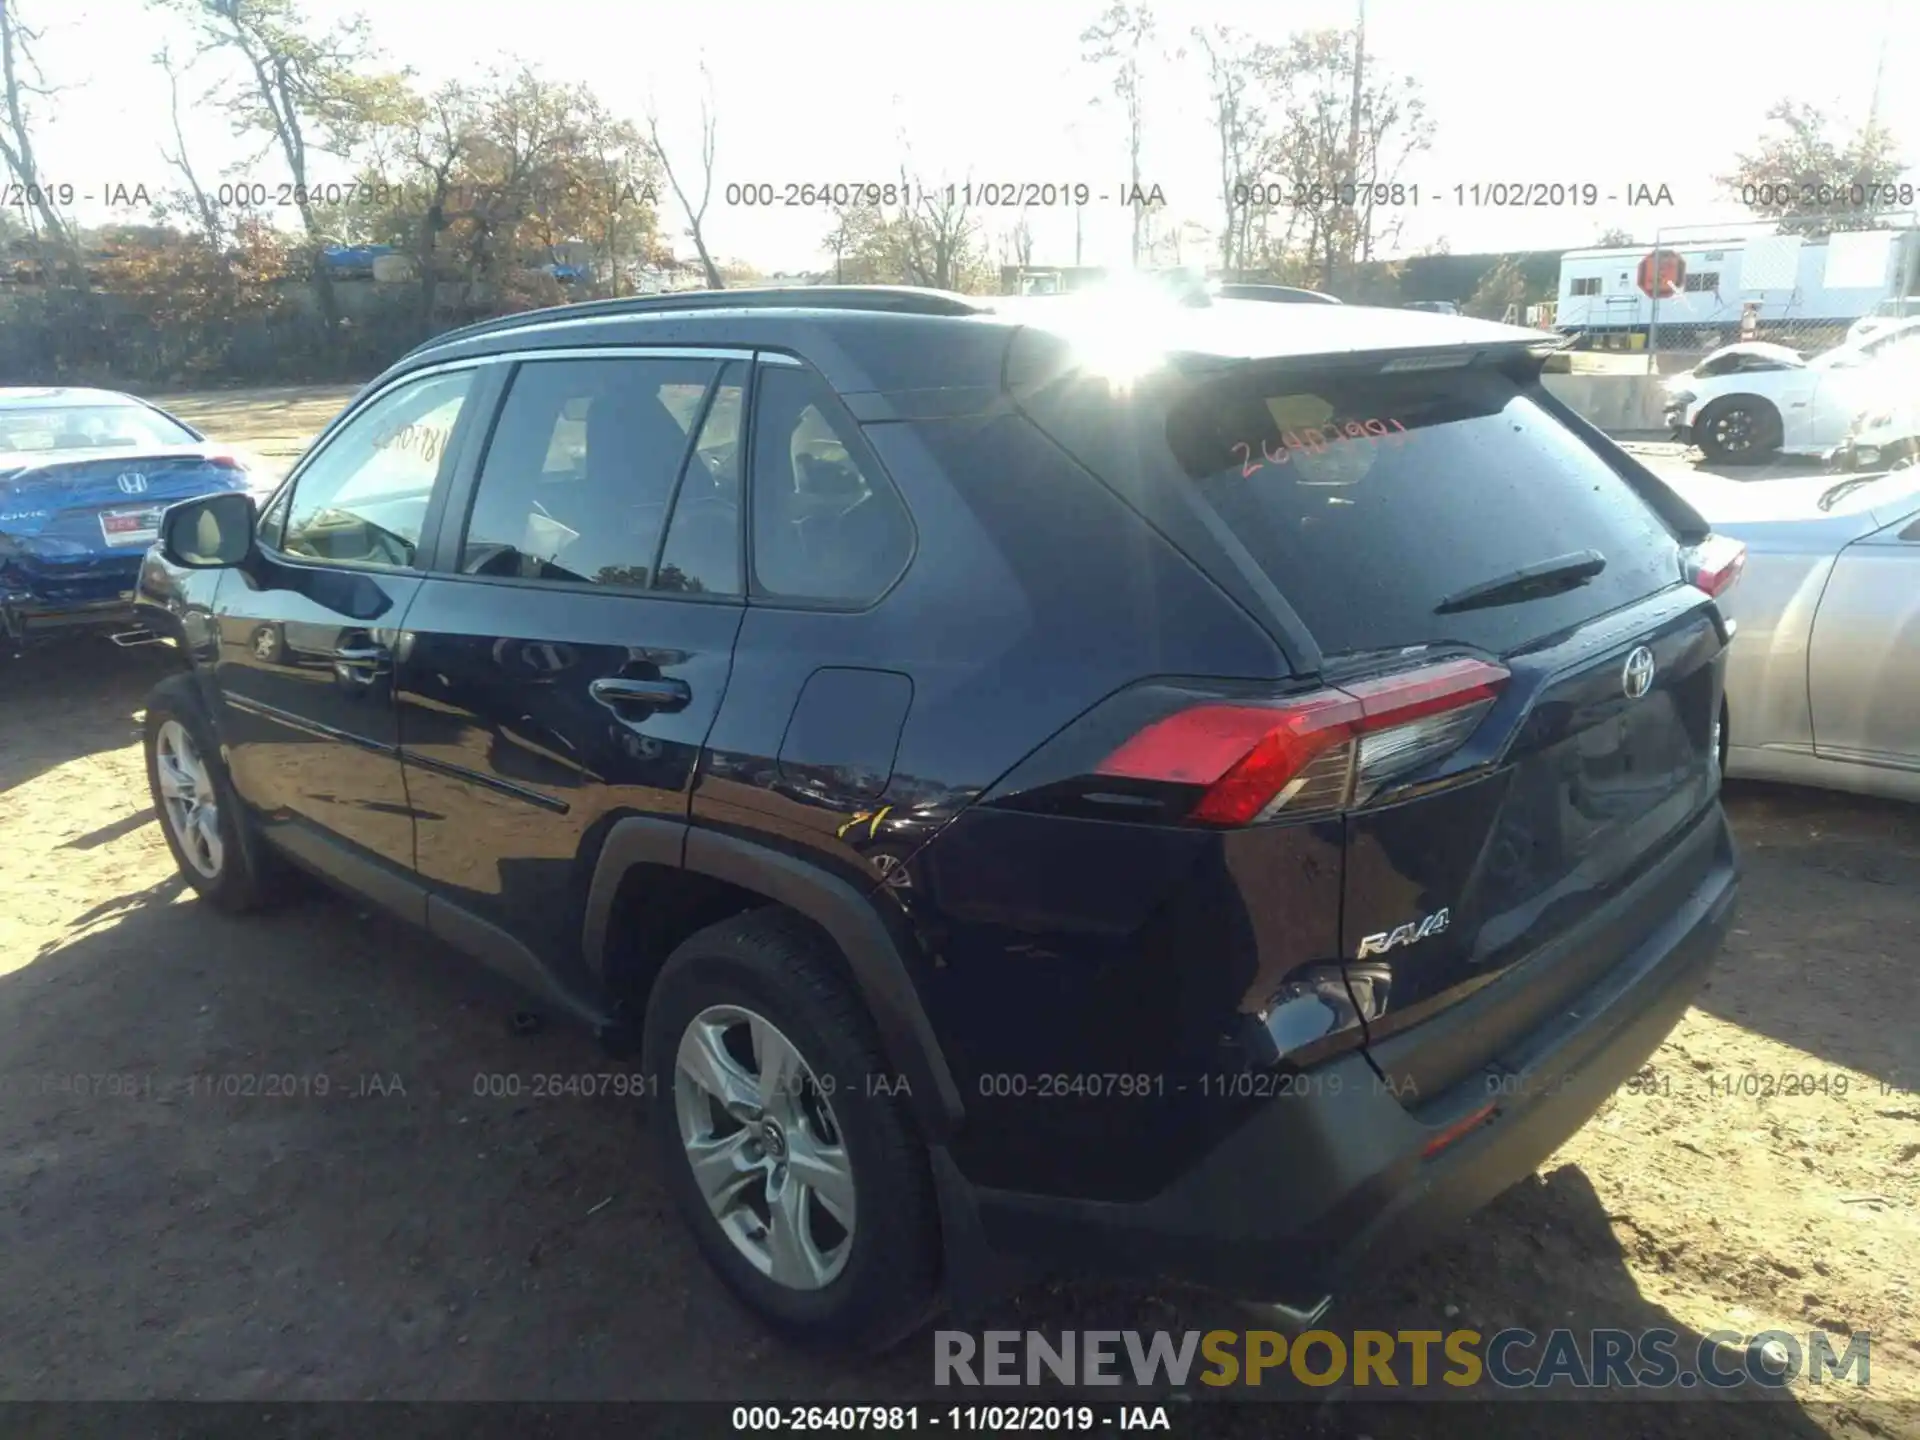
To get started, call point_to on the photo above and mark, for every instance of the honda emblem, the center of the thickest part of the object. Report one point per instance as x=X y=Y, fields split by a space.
x=132 y=482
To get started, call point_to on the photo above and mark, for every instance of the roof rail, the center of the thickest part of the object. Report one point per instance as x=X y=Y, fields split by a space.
x=888 y=299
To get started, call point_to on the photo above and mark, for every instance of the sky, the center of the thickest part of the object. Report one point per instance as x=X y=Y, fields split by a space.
x=1627 y=94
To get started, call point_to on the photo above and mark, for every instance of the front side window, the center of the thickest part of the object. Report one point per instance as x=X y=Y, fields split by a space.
x=363 y=498
x=584 y=467
x=828 y=527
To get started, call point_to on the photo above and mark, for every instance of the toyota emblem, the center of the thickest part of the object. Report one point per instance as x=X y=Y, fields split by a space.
x=132 y=482
x=1637 y=677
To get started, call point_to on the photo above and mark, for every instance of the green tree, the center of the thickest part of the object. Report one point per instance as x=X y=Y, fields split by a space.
x=1811 y=180
x=302 y=90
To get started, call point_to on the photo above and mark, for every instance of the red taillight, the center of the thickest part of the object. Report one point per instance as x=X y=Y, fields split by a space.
x=1714 y=564
x=1318 y=753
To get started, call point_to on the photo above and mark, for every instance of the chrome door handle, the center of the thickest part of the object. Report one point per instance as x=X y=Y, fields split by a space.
x=649 y=695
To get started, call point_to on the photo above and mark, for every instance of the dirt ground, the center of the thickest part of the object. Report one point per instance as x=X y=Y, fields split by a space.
x=273 y=426
x=404 y=1237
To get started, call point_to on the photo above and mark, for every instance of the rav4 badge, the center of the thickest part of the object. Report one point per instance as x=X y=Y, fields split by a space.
x=1393 y=939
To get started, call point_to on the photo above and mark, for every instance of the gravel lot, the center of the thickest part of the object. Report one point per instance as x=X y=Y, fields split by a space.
x=402 y=1237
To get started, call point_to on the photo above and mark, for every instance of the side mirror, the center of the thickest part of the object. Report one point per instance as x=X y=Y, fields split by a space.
x=214 y=532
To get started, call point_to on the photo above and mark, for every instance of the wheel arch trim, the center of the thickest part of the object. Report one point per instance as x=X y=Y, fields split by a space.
x=873 y=957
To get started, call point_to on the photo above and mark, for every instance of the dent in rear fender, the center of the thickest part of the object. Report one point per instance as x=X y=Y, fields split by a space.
x=1075 y=949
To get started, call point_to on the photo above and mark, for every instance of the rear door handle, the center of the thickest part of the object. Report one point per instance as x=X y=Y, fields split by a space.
x=641 y=695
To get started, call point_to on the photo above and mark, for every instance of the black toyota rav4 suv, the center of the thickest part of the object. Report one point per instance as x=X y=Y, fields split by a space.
x=1206 y=789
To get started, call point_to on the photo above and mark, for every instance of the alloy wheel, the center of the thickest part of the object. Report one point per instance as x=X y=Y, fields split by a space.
x=767 y=1154
x=192 y=804
x=1733 y=431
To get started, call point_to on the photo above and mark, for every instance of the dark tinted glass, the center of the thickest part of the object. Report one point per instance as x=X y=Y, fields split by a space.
x=581 y=470
x=702 y=554
x=827 y=525
x=1369 y=498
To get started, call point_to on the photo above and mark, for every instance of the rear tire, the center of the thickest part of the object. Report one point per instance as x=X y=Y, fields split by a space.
x=207 y=829
x=818 y=1208
x=1738 y=430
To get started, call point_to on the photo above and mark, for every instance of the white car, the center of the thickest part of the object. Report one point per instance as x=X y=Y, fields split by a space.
x=1885 y=431
x=1886 y=313
x=1747 y=402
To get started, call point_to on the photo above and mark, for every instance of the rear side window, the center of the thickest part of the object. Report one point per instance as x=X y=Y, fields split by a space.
x=1372 y=499
x=828 y=527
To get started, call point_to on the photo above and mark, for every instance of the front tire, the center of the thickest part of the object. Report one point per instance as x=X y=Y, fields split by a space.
x=1738 y=430
x=199 y=812
x=803 y=1180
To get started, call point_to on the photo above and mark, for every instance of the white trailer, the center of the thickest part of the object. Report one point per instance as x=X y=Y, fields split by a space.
x=1812 y=289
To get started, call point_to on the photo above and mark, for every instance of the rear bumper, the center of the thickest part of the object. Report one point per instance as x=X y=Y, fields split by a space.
x=1332 y=1184
x=27 y=619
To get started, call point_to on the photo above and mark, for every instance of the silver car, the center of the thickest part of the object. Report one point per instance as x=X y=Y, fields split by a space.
x=1823 y=682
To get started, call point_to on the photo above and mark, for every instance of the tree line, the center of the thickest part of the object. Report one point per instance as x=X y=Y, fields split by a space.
x=482 y=183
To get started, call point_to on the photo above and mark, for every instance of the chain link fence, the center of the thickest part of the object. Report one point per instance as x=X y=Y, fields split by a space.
x=1805 y=284
x=1807 y=288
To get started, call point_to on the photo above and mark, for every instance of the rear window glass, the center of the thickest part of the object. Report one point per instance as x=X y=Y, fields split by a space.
x=88 y=427
x=1370 y=499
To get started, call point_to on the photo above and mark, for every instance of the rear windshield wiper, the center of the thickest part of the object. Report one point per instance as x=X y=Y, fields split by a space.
x=1543 y=577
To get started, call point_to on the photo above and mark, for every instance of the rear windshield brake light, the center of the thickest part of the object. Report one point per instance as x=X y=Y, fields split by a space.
x=1315 y=754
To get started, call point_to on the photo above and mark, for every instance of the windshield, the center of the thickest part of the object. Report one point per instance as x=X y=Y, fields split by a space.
x=88 y=427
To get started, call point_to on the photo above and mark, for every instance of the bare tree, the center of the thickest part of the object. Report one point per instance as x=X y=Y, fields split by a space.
x=1237 y=68
x=1121 y=39
x=696 y=216
x=851 y=240
x=22 y=78
x=306 y=91
x=1017 y=244
x=204 y=208
x=1345 y=175
x=938 y=236
x=1359 y=93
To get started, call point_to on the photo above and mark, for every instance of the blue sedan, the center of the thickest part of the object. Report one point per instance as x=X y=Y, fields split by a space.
x=84 y=477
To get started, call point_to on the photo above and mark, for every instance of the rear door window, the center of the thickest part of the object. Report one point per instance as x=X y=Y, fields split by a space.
x=582 y=468
x=1370 y=498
